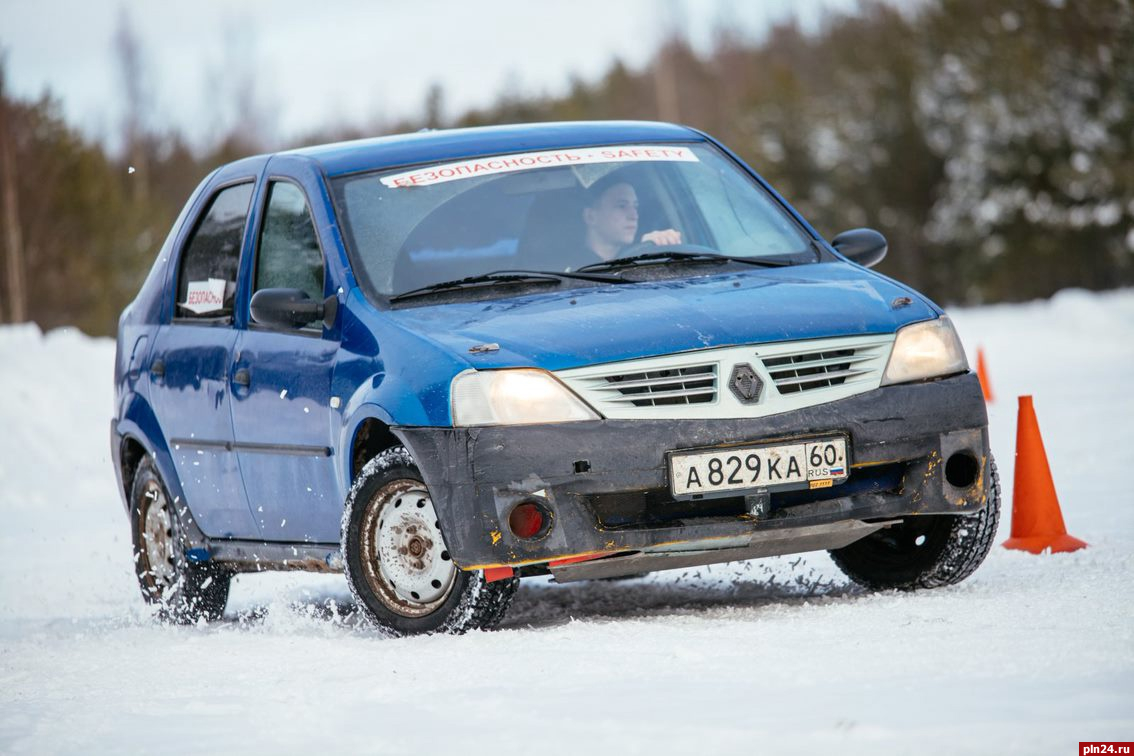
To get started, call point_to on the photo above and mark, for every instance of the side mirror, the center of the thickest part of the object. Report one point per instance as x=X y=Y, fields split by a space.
x=291 y=308
x=864 y=246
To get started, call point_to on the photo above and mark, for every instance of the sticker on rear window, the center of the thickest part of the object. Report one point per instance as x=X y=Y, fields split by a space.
x=526 y=161
x=205 y=296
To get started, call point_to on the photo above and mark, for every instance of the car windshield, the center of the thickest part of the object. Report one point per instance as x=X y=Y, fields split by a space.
x=559 y=211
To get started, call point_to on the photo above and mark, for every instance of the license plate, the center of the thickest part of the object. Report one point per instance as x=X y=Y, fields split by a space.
x=817 y=463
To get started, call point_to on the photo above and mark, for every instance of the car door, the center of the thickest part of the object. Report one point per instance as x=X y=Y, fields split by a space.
x=282 y=417
x=190 y=366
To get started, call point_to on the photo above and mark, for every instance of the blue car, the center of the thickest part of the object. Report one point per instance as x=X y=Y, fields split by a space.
x=444 y=361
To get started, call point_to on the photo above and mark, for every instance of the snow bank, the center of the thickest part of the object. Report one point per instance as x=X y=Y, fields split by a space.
x=1030 y=655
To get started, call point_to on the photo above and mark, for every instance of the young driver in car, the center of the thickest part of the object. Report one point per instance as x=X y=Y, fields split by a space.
x=610 y=217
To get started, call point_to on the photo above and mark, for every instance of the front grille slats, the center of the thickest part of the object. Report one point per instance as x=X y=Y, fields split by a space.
x=807 y=371
x=773 y=363
x=690 y=394
x=652 y=383
x=693 y=384
x=830 y=378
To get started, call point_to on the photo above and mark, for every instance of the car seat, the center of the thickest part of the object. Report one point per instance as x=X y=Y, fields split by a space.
x=552 y=237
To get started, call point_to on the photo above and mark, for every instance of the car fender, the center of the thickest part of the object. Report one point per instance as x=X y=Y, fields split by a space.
x=139 y=423
x=356 y=412
x=404 y=372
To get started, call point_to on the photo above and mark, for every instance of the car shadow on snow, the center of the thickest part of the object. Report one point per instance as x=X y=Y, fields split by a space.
x=692 y=592
x=542 y=603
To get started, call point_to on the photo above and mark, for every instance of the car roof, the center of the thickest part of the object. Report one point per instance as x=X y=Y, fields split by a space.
x=428 y=146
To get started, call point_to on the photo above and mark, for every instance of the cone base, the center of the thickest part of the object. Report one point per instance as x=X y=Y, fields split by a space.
x=1039 y=544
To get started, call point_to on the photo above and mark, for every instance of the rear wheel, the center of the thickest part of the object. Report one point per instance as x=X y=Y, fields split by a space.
x=397 y=565
x=924 y=551
x=185 y=592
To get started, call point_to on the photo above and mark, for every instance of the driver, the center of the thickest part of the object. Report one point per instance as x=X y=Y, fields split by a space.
x=611 y=220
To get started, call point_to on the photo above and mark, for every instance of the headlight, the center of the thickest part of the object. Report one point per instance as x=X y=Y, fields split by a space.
x=925 y=350
x=514 y=397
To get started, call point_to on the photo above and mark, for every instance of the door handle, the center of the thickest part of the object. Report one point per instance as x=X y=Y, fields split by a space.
x=157 y=368
x=242 y=378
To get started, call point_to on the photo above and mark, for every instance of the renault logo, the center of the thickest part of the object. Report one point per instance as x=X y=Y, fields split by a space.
x=745 y=384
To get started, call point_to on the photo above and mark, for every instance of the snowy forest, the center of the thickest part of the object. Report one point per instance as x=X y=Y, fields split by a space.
x=991 y=141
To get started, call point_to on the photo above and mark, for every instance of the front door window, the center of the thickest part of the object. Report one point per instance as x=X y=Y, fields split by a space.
x=289 y=256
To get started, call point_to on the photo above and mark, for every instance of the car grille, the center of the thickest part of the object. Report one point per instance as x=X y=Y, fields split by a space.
x=806 y=371
x=656 y=388
x=696 y=384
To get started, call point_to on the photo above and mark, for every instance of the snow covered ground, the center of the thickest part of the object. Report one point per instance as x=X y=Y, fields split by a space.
x=1030 y=655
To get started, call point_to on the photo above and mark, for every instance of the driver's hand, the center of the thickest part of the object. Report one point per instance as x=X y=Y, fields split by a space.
x=664 y=238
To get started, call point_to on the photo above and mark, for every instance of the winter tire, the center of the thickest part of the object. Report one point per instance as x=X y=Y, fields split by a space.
x=924 y=551
x=397 y=566
x=185 y=592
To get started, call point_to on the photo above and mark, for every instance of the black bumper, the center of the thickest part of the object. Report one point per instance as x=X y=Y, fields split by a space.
x=606 y=486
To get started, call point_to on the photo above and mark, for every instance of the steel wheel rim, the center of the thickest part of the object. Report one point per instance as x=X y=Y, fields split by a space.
x=405 y=559
x=157 y=539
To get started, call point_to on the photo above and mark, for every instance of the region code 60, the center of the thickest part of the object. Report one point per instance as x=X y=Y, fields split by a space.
x=1124 y=747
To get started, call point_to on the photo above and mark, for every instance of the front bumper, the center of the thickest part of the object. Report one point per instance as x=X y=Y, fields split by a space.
x=605 y=481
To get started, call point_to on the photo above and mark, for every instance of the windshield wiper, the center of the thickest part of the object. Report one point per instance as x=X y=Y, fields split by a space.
x=669 y=256
x=508 y=277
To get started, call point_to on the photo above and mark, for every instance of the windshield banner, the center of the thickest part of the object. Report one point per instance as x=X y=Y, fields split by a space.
x=525 y=161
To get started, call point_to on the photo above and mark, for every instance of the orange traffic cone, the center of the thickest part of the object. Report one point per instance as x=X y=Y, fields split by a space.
x=1037 y=523
x=982 y=374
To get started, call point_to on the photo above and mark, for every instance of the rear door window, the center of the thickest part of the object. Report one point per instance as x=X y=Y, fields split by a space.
x=206 y=279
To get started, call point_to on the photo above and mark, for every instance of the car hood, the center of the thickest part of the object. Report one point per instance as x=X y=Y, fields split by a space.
x=576 y=327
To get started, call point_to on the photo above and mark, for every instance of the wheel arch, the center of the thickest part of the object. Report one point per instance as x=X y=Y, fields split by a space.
x=134 y=447
x=369 y=433
x=139 y=429
x=131 y=454
x=139 y=436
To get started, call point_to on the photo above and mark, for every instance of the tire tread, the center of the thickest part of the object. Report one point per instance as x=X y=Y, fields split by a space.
x=967 y=544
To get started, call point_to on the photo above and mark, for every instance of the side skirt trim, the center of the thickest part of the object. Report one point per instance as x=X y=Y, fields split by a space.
x=262 y=556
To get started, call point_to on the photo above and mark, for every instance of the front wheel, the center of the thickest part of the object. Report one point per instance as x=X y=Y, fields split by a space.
x=924 y=551
x=397 y=566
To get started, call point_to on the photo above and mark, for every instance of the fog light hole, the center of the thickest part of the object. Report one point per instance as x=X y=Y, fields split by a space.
x=962 y=470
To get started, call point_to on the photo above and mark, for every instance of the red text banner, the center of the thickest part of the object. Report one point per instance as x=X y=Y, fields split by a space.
x=526 y=161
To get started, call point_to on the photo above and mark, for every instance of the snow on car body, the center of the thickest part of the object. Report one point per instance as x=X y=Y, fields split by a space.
x=419 y=359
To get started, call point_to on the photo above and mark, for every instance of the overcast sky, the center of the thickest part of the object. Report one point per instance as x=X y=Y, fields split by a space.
x=355 y=62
